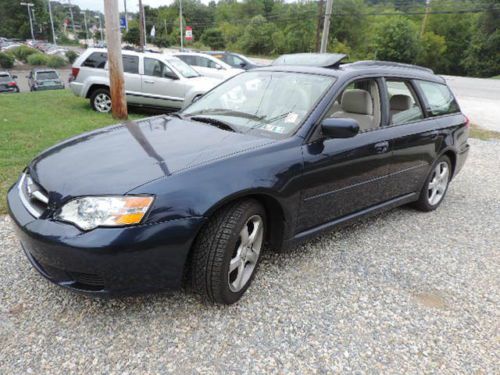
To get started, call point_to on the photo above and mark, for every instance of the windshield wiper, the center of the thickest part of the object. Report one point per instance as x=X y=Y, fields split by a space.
x=212 y=121
x=227 y=112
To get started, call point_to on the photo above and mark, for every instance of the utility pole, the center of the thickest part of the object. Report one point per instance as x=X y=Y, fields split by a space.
x=70 y=6
x=86 y=26
x=54 y=38
x=115 y=62
x=180 y=25
x=326 y=26
x=141 y=25
x=318 y=26
x=426 y=15
x=126 y=15
x=28 y=5
x=100 y=26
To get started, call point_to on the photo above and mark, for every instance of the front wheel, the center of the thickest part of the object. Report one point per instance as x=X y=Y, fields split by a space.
x=100 y=100
x=227 y=251
x=435 y=186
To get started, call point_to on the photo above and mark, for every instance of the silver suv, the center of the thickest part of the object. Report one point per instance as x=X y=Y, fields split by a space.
x=151 y=80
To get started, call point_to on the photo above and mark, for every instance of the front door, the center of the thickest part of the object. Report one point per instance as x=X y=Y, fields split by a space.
x=342 y=176
x=161 y=86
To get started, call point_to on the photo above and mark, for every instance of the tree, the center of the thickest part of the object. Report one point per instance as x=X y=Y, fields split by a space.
x=483 y=54
x=132 y=36
x=397 y=41
x=213 y=38
x=431 y=51
x=258 y=36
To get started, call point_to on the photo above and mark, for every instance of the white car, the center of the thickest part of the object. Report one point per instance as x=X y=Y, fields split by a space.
x=151 y=80
x=208 y=65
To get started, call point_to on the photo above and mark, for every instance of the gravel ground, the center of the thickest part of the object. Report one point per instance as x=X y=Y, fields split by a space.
x=404 y=292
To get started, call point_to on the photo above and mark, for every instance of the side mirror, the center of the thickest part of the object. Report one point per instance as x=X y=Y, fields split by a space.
x=218 y=67
x=171 y=75
x=196 y=98
x=243 y=64
x=14 y=76
x=339 y=127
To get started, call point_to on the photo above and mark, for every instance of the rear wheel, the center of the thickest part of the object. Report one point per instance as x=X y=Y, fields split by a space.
x=100 y=100
x=227 y=252
x=435 y=186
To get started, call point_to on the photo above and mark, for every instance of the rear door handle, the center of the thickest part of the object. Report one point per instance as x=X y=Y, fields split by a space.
x=151 y=82
x=381 y=147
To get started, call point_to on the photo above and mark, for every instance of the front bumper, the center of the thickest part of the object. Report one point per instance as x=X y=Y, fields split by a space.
x=105 y=261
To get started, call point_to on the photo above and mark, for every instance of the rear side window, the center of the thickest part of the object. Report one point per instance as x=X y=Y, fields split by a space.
x=96 y=60
x=403 y=104
x=131 y=64
x=439 y=98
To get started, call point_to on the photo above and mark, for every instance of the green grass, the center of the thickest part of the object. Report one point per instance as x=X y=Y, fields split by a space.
x=31 y=122
x=496 y=77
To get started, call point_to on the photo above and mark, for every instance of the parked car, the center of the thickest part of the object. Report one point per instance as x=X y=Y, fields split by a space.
x=151 y=80
x=8 y=82
x=236 y=60
x=41 y=79
x=208 y=65
x=268 y=158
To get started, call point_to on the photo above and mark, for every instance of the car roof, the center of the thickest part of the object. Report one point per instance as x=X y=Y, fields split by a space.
x=39 y=70
x=4 y=73
x=128 y=52
x=363 y=68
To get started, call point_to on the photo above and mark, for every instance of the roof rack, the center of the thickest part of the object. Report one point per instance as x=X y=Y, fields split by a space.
x=322 y=60
x=390 y=64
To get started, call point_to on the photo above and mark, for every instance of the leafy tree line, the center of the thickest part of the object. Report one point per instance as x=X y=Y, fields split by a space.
x=460 y=37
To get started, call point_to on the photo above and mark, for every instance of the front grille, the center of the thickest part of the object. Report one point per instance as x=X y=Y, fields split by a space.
x=33 y=196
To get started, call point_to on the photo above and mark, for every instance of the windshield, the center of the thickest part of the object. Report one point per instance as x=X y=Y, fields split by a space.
x=5 y=78
x=183 y=68
x=41 y=76
x=272 y=103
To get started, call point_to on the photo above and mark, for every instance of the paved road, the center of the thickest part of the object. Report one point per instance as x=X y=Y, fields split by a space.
x=479 y=99
x=402 y=293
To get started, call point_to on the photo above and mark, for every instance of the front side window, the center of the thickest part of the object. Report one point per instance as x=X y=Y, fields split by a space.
x=359 y=101
x=131 y=64
x=403 y=103
x=156 y=68
x=263 y=103
x=439 y=98
x=96 y=60
x=205 y=62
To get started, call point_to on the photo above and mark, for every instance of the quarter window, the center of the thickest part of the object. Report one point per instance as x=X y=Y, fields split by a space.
x=439 y=98
x=96 y=60
x=131 y=64
x=403 y=103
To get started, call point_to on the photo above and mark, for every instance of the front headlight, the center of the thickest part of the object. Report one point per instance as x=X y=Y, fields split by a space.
x=91 y=212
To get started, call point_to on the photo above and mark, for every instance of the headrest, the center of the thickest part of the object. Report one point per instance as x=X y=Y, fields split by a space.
x=400 y=102
x=357 y=101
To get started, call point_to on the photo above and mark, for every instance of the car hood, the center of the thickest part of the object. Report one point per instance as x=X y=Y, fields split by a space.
x=117 y=159
x=202 y=82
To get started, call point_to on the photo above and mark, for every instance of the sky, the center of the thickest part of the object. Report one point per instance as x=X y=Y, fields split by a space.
x=132 y=5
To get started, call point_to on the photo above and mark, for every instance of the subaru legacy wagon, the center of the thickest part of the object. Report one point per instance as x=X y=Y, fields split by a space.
x=268 y=158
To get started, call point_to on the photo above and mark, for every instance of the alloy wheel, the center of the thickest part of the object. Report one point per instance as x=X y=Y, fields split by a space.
x=246 y=254
x=103 y=103
x=438 y=183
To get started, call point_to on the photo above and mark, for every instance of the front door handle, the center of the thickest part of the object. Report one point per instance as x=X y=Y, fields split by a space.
x=381 y=147
x=151 y=82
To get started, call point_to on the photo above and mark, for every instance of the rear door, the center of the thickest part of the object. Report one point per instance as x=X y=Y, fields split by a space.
x=133 y=80
x=415 y=138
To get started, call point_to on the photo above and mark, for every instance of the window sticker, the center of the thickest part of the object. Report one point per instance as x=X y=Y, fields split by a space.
x=291 y=118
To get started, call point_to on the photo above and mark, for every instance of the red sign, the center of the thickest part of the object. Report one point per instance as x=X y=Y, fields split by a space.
x=189 y=33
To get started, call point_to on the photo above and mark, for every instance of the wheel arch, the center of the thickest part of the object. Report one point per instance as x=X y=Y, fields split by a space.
x=276 y=216
x=452 y=155
x=94 y=87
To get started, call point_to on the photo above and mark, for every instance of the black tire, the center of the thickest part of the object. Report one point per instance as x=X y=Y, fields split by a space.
x=214 y=248
x=423 y=203
x=93 y=97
